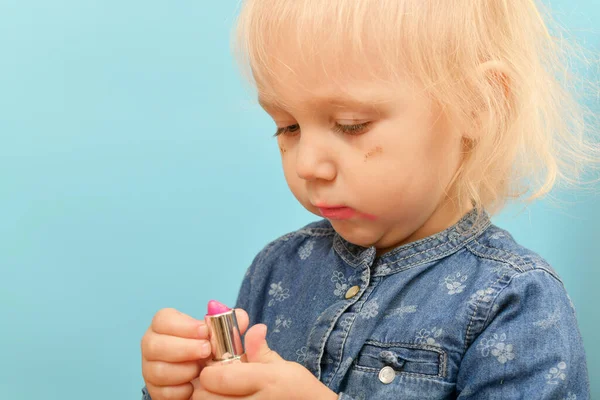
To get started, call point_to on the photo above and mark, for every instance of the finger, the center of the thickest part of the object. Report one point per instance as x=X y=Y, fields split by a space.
x=241 y=379
x=157 y=347
x=196 y=383
x=169 y=321
x=257 y=349
x=201 y=394
x=170 y=374
x=180 y=392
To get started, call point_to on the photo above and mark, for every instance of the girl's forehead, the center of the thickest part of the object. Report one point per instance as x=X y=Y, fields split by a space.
x=353 y=96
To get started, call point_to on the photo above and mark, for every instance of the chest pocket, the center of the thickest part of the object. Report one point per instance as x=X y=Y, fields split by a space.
x=403 y=358
x=404 y=371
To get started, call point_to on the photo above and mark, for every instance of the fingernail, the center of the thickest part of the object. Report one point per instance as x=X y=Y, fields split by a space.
x=205 y=349
x=203 y=331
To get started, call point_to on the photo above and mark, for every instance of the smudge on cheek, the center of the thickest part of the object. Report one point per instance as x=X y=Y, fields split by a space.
x=375 y=151
x=282 y=150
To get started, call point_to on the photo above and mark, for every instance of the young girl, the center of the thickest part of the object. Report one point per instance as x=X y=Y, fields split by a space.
x=404 y=124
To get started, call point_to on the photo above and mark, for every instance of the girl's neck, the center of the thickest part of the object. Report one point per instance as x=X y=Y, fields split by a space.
x=444 y=216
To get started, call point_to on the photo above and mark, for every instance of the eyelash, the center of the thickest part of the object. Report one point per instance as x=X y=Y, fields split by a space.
x=352 y=130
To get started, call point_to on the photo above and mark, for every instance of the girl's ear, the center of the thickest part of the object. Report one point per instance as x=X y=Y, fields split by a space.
x=498 y=74
x=494 y=94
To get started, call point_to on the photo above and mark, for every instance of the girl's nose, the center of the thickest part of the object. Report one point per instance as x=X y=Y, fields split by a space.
x=314 y=159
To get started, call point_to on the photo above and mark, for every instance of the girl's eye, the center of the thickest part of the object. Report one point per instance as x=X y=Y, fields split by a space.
x=290 y=130
x=353 y=129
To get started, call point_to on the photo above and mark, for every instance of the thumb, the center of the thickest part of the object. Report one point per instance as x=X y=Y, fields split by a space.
x=257 y=349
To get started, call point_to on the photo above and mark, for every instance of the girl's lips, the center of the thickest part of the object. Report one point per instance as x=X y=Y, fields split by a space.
x=339 y=213
x=342 y=212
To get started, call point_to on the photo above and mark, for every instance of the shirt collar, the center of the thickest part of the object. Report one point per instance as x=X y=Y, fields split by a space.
x=422 y=251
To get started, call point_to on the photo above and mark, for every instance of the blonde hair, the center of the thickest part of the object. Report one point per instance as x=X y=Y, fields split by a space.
x=535 y=132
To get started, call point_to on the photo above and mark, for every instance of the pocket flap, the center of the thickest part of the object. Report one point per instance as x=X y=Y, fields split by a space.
x=403 y=357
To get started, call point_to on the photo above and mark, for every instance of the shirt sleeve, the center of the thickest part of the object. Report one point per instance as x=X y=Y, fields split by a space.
x=243 y=297
x=251 y=295
x=530 y=347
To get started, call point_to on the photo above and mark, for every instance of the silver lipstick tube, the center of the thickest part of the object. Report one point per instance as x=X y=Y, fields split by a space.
x=225 y=338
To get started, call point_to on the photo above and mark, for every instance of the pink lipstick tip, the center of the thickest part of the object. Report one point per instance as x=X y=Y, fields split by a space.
x=214 y=308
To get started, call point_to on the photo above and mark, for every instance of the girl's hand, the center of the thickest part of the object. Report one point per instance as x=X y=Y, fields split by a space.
x=174 y=350
x=266 y=376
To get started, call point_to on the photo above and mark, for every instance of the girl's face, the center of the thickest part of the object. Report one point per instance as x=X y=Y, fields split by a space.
x=385 y=152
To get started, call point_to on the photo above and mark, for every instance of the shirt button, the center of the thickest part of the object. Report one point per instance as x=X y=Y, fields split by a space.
x=352 y=292
x=387 y=375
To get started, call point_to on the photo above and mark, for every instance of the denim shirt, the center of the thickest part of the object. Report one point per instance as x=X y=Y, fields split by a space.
x=465 y=313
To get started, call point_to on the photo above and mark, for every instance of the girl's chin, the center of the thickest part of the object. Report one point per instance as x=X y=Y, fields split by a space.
x=357 y=232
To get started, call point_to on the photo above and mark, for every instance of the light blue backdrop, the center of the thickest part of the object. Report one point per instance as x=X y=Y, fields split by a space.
x=136 y=174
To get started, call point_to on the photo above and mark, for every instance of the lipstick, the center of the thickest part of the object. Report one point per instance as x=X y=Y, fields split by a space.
x=224 y=335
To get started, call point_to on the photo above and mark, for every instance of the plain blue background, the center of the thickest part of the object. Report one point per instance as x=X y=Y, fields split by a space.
x=136 y=173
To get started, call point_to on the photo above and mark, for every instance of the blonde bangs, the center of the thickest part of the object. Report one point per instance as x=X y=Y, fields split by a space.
x=343 y=40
